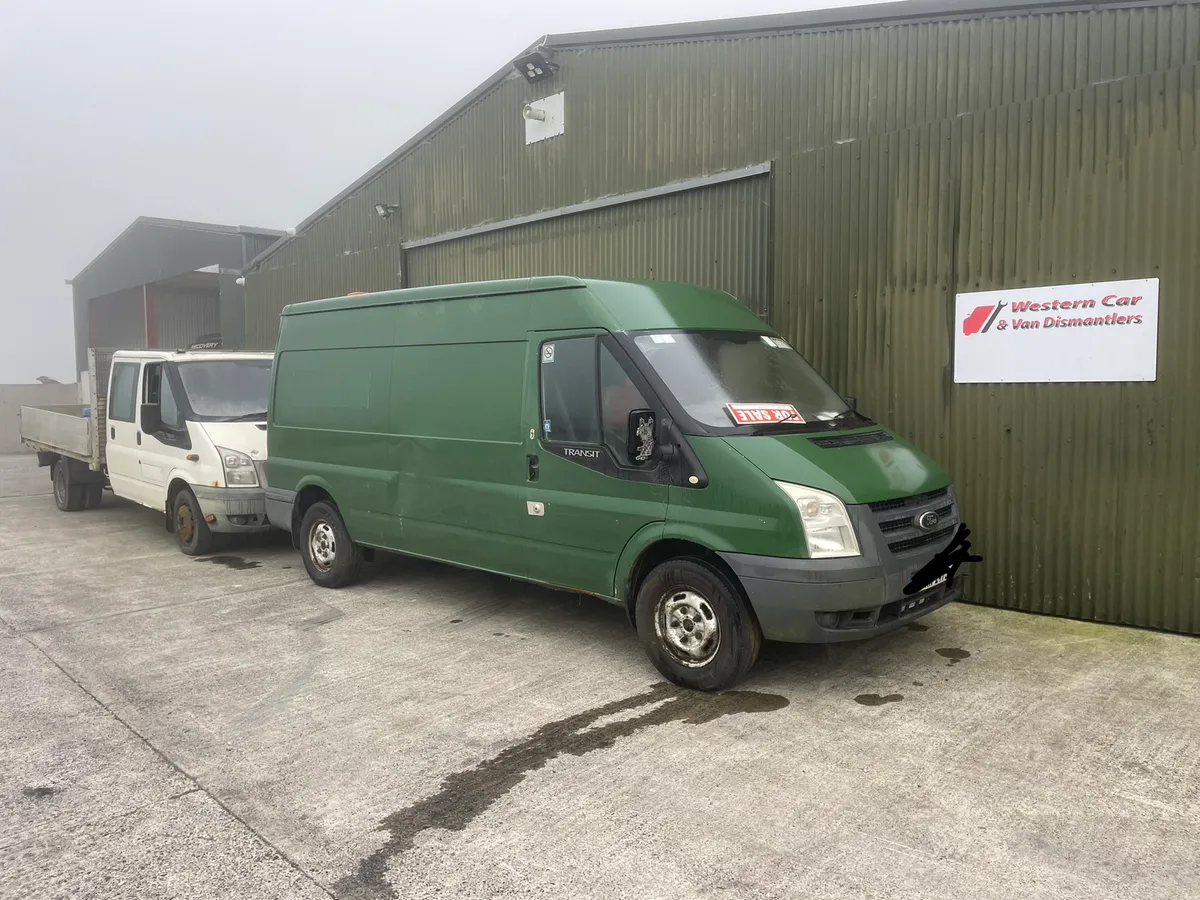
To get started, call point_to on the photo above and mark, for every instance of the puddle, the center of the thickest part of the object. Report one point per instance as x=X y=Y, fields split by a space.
x=467 y=794
x=232 y=562
x=953 y=654
x=455 y=621
x=918 y=684
x=877 y=700
x=40 y=792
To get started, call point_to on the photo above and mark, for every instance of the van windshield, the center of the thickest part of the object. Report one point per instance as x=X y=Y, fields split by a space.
x=736 y=379
x=227 y=389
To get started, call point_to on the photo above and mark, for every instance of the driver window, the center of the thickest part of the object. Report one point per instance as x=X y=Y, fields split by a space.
x=569 y=413
x=168 y=408
x=157 y=389
x=618 y=398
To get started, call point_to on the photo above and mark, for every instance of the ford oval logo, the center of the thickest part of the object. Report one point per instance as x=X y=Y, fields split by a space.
x=929 y=521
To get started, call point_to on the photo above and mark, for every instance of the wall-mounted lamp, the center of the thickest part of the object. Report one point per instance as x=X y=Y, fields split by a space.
x=535 y=66
x=385 y=210
x=530 y=113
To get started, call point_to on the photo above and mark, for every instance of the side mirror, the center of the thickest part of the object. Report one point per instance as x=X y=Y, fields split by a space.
x=642 y=443
x=151 y=418
x=852 y=403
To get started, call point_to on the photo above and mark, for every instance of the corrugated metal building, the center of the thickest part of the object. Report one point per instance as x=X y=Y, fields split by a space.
x=162 y=283
x=846 y=173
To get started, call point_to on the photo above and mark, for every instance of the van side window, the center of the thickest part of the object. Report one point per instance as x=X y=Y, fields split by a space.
x=168 y=408
x=570 y=413
x=122 y=395
x=618 y=397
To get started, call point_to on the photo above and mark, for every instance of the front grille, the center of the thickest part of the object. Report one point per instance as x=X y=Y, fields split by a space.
x=907 y=502
x=889 y=526
x=897 y=520
x=851 y=440
x=923 y=540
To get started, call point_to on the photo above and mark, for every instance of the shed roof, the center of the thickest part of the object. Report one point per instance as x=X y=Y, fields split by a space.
x=151 y=248
x=808 y=20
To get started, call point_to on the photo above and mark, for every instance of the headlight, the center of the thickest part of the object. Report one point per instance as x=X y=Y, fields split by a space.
x=827 y=527
x=239 y=468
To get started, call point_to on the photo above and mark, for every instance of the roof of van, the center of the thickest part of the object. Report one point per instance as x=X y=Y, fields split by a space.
x=437 y=292
x=628 y=305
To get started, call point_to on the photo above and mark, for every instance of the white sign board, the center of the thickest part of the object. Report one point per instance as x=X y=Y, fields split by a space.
x=1104 y=331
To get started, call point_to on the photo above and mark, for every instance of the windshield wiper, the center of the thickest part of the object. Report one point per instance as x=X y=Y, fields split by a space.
x=247 y=417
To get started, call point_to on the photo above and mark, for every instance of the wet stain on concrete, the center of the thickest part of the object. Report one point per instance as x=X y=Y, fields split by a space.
x=469 y=793
x=232 y=562
x=918 y=684
x=40 y=792
x=455 y=621
x=877 y=700
x=953 y=654
x=916 y=626
x=322 y=618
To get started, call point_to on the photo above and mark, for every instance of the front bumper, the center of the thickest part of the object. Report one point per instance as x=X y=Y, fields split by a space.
x=234 y=510
x=797 y=604
x=826 y=600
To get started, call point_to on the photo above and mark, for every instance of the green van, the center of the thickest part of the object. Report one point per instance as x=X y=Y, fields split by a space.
x=652 y=444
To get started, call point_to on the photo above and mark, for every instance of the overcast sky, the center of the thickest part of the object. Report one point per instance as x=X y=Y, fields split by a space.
x=243 y=112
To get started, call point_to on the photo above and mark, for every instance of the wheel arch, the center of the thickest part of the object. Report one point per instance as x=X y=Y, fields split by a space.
x=670 y=545
x=309 y=491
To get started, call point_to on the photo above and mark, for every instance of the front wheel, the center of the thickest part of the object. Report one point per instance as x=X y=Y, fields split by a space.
x=695 y=626
x=191 y=531
x=332 y=559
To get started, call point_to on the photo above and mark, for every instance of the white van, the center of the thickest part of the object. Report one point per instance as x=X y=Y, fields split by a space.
x=184 y=432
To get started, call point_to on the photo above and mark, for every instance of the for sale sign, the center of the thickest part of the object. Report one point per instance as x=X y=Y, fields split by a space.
x=760 y=413
x=1102 y=331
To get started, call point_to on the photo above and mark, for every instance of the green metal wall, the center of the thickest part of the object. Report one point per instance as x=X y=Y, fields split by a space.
x=910 y=161
x=718 y=236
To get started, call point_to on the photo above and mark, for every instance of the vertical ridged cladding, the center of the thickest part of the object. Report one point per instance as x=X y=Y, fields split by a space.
x=184 y=314
x=716 y=236
x=911 y=161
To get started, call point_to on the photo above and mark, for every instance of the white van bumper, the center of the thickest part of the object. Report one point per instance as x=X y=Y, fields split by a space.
x=234 y=510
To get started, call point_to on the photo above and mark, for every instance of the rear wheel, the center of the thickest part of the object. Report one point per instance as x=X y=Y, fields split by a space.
x=332 y=559
x=67 y=496
x=191 y=531
x=695 y=626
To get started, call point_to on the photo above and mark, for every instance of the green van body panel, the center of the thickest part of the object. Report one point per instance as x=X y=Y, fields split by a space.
x=854 y=474
x=419 y=413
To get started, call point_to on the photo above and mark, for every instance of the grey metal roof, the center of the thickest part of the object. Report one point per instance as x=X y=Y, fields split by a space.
x=205 y=227
x=808 y=20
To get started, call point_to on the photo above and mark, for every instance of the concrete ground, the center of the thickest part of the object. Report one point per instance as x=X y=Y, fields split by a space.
x=173 y=727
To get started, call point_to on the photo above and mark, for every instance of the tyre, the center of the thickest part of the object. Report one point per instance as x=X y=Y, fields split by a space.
x=191 y=531
x=93 y=496
x=695 y=625
x=332 y=559
x=67 y=496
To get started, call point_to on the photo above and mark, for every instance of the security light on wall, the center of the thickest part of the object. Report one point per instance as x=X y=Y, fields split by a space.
x=535 y=67
x=385 y=210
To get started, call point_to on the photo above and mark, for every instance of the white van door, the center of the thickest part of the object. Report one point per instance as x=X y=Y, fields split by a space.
x=162 y=450
x=121 y=451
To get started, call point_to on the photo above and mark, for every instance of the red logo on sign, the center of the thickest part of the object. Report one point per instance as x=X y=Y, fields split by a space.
x=981 y=318
x=974 y=323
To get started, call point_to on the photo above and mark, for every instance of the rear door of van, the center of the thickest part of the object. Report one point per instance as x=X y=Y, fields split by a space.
x=585 y=498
